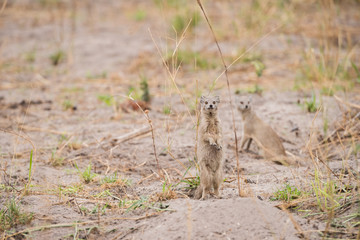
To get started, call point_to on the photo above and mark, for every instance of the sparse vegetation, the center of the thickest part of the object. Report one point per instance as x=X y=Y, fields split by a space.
x=11 y=215
x=167 y=109
x=68 y=104
x=144 y=86
x=140 y=15
x=30 y=56
x=288 y=193
x=189 y=58
x=61 y=56
x=57 y=57
x=86 y=175
x=107 y=99
x=102 y=75
x=311 y=105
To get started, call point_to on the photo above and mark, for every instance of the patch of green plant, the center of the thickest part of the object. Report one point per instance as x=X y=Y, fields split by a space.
x=325 y=193
x=11 y=216
x=259 y=67
x=327 y=91
x=141 y=203
x=311 y=105
x=86 y=175
x=67 y=104
x=107 y=99
x=255 y=89
x=187 y=57
x=56 y=160
x=30 y=56
x=73 y=90
x=251 y=56
x=287 y=194
x=110 y=179
x=115 y=179
x=192 y=183
x=101 y=210
x=57 y=57
x=46 y=3
x=102 y=75
x=144 y=86
x=140 y=15
x=356 y=71
x=62 y=138
x=5 y=188
x=70 y=190
x=170 y=3
x=316 y=67
x=356 y=149
x=167 y=109
x=180 y=21
x=134 y=93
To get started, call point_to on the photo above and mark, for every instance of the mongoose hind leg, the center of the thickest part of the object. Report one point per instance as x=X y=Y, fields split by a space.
x=217 y=182
x=205 y=191
x=244 y=139
x=248 y=144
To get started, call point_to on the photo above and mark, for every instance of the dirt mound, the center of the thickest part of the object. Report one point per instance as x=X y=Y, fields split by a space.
x=240 y=218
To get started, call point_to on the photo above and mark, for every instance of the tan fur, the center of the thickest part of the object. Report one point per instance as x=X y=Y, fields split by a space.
x=264 y=136
x=210 y=152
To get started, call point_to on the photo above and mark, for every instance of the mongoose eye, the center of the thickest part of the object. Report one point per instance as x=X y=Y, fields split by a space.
x=206 y=102
x=241 y=102
x=213 y=102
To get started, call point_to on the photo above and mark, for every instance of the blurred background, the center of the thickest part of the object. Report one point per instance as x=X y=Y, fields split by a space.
x=315 y=43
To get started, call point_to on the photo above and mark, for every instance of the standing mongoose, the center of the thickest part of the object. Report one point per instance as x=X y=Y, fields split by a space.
x=210 y=151
x=264 y=136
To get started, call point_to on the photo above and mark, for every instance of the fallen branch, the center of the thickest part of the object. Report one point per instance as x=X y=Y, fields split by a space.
x=133 y=134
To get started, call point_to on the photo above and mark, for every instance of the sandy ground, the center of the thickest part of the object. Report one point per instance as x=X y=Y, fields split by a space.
x=32 y=97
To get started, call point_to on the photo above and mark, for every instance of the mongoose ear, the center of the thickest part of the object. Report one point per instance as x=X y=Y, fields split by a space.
x=217 y=99
x=202 y=99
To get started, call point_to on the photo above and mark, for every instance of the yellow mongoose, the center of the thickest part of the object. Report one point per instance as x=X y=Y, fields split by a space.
x=264 y=136
x=210 y=151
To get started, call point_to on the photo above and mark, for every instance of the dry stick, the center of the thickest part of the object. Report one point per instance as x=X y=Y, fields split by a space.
x=241 y=194
x=153 y=139
x=146 y=114
x=133 y=134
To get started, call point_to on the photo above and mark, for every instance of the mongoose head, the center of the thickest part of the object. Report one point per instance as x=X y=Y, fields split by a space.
x=244 y=104
x=209 y=104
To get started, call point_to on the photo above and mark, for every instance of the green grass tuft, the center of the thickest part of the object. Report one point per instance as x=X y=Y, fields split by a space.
x=107 y=99
x=11 y=216
x=57 y=57
x=86 y=175
x=287 y=194
x=144 y=86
